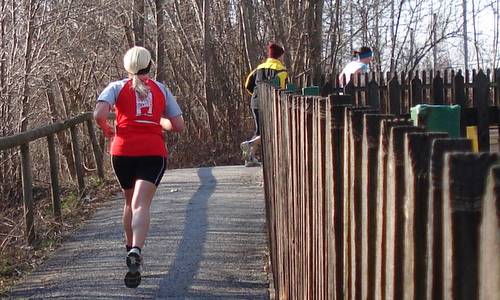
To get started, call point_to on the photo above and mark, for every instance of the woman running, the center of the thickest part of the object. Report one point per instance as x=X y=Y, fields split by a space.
x=144 y=107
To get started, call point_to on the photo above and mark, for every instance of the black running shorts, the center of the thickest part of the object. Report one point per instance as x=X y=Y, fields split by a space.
x=128 y=169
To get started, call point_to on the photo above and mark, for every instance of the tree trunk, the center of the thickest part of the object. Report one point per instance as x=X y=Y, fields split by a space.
x=336 y=37
x=138 y=22
x=30 y=8
x=496 y=17
x=377 y=44
x=393 y=39
x=63 y=139
x=351 y=25
x=364 y=22
x=476 y=45
x=279 y=30
x=128 y=33
x=160 y=42
x=249 y=32
x=466 y=46
x=434 y=42
x=3 y=54
x=207 y=67
x=315 y=32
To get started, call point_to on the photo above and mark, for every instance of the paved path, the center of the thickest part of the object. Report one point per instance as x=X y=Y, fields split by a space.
x=207 y=241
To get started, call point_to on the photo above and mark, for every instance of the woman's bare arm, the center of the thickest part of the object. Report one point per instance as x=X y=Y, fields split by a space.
x=175 y=124
x=101 y=113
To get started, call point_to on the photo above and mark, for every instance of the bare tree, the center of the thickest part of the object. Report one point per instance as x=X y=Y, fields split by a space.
x=208 y=54
x=496 y=20
x=249 y=32
x=476 y=42
x=160 y=41
x=138 y=17
x=466 y=46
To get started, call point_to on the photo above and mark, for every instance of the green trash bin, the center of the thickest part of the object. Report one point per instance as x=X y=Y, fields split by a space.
x=437 y=118
x=310 y=91
x=290 y=87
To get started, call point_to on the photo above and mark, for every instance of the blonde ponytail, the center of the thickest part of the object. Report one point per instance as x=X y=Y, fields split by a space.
x=140 y=87
x=137 y=62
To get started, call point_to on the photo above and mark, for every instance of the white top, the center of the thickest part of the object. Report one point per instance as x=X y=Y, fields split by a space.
x=352 y=68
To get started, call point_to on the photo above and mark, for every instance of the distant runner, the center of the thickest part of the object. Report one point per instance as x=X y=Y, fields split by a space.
x=271 y=69
x=363 y=57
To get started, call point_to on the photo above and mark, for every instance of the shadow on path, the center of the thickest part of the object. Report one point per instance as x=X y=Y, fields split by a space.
x=190 y=251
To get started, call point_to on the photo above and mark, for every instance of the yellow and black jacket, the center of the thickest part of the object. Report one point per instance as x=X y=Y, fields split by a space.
x=269 y=70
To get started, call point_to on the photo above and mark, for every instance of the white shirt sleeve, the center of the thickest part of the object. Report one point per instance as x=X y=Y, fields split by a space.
x=172 y=108
x=111 y=92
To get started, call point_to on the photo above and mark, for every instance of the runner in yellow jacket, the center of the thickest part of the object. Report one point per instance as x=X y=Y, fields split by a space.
x=271 y=69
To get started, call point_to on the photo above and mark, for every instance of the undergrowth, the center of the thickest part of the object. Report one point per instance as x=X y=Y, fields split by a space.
x=17 y=258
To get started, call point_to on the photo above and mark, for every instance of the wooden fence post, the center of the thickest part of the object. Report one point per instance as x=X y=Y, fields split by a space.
x=369 y=169
x=27 y=178
x=279 y=208
x=372 y=94
x=349 y=88
x=54 y=177
x=489 y=248
x=460 y=99
x=381 y=213
x=395 y=96
x=463 y=185
x=267 y=117
x=395 y=211
x=281 y=194
x=319 y=199
x=434 y=220
x=297 y=194
x=446 y=86
x=78 y=159
x=417 y=161
x=97 y=150
x=415 y=91
x=347 y=226
x=335 y=164
x=304 y=259
x=437 y=89
x=481 y=98
x=384 y=106
x=355 y=123
x=308 y=170
x=290 y=129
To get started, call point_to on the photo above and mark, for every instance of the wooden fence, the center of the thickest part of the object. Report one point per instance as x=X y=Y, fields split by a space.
x=363 y=205
x=478 y=93
x=22 y=140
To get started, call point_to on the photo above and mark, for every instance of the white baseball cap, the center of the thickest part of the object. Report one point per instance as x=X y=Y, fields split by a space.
x=137 y=60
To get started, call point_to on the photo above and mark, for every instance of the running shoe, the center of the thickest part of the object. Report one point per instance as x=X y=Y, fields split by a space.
x=134 y=263
x=246 y=150
x=252 y=162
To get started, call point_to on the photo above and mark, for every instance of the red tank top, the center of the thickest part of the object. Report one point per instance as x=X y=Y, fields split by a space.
x=138 y=129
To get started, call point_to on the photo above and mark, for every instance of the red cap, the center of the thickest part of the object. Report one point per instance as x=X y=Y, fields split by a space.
x=274 y=50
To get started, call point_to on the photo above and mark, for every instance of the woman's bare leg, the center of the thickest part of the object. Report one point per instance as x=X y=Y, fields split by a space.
x=127 y=215
x=141 y=203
